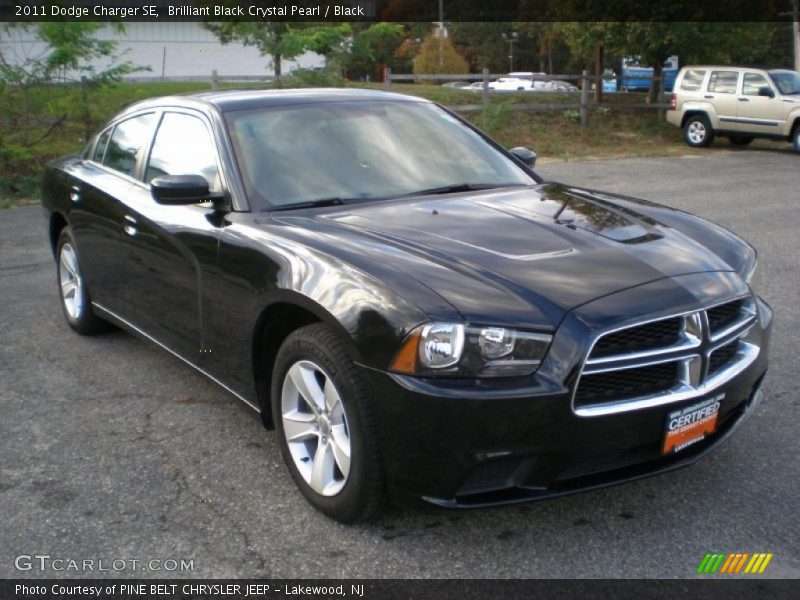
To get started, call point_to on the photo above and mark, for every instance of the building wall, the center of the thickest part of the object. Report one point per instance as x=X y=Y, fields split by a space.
x=171 y=49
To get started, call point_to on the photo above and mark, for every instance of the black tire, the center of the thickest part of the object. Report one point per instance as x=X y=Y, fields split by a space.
x=83 y=320
x=364 y=493
x=697 y=131
x=796 y=138
x=741 y=141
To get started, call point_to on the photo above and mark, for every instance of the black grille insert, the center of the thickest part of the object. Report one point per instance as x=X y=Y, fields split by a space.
x=626 y=384
x=723 y=316
x=722 y=357
x=651 y=336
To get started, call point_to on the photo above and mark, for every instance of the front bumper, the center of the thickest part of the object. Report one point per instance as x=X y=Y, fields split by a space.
x=488 y=443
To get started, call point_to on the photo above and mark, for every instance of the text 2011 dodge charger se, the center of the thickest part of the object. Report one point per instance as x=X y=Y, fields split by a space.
x=412 y=308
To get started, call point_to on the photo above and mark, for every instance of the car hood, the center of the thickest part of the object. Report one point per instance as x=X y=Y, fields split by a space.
x=550 y=246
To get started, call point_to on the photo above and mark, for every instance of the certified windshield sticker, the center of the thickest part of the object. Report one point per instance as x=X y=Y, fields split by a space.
x=691 y=424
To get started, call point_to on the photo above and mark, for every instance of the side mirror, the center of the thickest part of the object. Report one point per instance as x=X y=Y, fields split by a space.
x=526 y=155
x=179 y=189
x=765 y=90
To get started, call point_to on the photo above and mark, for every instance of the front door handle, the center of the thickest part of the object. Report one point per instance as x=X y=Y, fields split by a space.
x=744 y=99
x=75 y=193
x=709 y=96
x=130 y=225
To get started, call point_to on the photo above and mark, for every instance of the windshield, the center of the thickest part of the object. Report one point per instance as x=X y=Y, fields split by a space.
x=788 y=82
x=338 y=152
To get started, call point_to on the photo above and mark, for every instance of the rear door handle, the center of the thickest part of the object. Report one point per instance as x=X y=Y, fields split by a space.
x=709 y=96
x=744 y=99
x=130 y=225
x=75 y=193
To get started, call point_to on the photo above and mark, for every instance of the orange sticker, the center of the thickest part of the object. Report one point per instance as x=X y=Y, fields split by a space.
x=691 y=424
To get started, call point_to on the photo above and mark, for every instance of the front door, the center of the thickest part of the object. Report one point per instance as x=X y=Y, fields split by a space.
x=171 y=251
x=759 y=107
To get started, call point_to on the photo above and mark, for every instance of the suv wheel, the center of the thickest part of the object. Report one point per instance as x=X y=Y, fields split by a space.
x=796 y=138
x=697 y=132
x=321 y=412
x=741 y=141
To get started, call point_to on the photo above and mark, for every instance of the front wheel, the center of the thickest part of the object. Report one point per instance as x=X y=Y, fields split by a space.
x=72 y=290
x=321 y=412
x=796 y=139
x=697 y=132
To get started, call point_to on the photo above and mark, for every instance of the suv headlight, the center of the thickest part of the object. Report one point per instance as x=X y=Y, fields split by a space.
x=455 y=350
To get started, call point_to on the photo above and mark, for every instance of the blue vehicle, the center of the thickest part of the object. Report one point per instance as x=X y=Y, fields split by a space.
x=637 y=78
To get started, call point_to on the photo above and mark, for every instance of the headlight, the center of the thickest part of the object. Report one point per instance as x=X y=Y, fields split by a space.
x=752 y=276
x=455 y=350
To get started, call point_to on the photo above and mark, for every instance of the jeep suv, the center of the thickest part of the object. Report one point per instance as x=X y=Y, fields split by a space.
x=738 y=103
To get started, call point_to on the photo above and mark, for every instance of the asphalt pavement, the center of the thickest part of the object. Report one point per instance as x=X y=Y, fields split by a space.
x=111 y=449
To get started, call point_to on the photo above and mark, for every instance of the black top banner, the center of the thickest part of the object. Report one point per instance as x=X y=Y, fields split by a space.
x=396 y=10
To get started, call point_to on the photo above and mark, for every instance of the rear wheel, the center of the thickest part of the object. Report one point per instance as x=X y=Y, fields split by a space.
x=741 y=141
x=321 y=412
x=72 y=290
x=796 y=138
x=697 y=132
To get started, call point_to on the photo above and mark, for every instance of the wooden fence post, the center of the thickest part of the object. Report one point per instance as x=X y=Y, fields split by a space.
x=584 y=96
x=214 y=80
x=387 y=79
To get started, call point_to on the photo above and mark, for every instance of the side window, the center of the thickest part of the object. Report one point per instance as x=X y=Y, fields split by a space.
x=100 y=147
x=127 y=143
x=753 y=82
x=723 y=82
x=692 y=80
x=184 y=146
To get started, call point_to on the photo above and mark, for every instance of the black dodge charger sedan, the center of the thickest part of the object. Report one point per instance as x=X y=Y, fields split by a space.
x=416 y=312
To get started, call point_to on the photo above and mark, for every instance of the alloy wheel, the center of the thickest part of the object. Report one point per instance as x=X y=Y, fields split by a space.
x=71 y=282
x=315 y=426
x=697 y=132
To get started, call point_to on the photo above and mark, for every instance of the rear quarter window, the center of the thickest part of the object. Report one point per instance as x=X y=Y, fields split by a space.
x=128 y=142
x=692 y=80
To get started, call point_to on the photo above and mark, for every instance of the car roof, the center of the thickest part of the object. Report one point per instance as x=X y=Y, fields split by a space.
x=231 y=100
x=725 y=68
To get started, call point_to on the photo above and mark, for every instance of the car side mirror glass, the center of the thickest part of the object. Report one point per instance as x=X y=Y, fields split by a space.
x=179 y=189
x=766 y=91
x=526 y=155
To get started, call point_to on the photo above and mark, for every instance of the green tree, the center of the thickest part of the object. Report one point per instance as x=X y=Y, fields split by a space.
x=39 y=97
x=437 y=55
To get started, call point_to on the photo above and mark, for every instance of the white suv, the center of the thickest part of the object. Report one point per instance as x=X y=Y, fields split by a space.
x=738 y=103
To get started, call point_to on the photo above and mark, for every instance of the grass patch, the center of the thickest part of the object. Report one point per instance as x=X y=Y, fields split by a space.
x=552 y=133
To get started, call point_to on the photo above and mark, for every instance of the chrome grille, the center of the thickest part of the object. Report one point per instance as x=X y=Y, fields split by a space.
x=666 y=360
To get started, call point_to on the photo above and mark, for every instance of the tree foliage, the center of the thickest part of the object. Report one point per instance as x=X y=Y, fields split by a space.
x=38 y=98
x=438 y=55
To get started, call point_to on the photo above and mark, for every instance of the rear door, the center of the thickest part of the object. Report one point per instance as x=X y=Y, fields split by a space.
x=98 y=191
x=722 y=93
x=171 y=251
x=757 y=111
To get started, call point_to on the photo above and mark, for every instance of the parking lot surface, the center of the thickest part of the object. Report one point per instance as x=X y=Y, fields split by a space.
x=110 y=448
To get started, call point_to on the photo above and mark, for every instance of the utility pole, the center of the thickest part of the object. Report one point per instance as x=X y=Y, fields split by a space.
x=796 y=30
x=795 y=15
x=511 y=39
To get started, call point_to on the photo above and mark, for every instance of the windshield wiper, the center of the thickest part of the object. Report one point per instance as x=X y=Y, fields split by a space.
x=335 y=201
x=462 y=187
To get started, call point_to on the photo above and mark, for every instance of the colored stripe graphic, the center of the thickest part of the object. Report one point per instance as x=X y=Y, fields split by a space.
x=734 y=563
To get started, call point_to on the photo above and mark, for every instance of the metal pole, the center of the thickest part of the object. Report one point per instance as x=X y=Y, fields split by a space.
x=796 y=29
x=485 y=90
x=584 y=95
